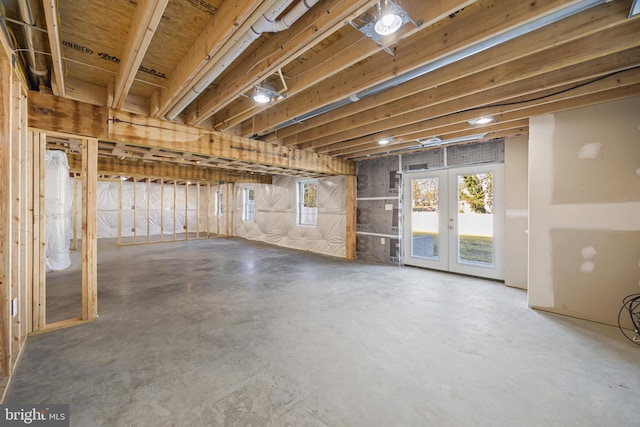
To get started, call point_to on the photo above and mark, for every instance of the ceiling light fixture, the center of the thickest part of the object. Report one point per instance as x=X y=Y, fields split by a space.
x=481 y=120
x=388 y=18
x=262 y=95
x=384 y=141
x=435 y=141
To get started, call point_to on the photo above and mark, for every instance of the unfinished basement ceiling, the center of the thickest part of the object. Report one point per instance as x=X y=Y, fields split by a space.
x=456 y=61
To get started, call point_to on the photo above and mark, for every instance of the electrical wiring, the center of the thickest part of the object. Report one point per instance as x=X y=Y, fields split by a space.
x=549 y=95
x=14 y=43
x=631 y=306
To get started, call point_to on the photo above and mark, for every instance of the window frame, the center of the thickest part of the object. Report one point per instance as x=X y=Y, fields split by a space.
x=306 y=216
x=248 y=205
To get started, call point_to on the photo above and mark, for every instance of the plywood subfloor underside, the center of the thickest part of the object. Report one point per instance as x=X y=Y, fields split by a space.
x=229 y=332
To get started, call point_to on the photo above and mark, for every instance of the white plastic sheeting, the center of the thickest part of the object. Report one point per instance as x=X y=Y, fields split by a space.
x=276 y=219
x=150 y=206
x=58 y=203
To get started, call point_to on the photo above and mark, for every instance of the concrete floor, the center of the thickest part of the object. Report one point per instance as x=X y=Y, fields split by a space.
x=232 y=333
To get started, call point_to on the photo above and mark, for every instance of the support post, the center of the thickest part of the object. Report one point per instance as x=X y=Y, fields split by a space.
x=351 y=206
x=89 y=230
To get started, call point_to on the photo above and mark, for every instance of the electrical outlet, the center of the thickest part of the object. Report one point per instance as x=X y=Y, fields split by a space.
x=382 y=241
x=14 y=307
x=388 y=207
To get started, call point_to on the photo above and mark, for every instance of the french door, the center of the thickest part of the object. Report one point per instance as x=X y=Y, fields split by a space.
x=454 y=220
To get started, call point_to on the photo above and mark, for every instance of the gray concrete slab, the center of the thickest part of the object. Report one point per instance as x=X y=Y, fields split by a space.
x=233 y=333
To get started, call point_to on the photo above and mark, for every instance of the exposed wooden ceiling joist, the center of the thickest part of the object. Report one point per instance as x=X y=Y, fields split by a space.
x=532 y=45
x=472 y=25
x=230 y=21
x=53 y=31
x=345 y=52
x=145 y=21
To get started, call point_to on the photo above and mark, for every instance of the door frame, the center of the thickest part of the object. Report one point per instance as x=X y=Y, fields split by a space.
x=448 y=222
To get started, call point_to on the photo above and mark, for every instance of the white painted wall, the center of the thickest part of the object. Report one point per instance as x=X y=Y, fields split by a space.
x=584 y=209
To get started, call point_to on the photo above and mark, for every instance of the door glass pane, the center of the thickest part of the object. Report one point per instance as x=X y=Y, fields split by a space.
x=475 y=219
x=424 y=218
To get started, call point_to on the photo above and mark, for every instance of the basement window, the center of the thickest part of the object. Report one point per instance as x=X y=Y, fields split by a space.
x=248 y=205
x=307 y=203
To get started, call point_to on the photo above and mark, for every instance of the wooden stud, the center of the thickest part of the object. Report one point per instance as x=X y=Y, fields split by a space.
x=161 y=209
x=208 y=209
x=5 y=217
x=148 y=210
x=39 y=276
x=30 y=220
x=74 y=220
x=198 y=210
x=120 y=213
x=175 y=222
x=25 y=235
x=15 y=235
x=351 y=205
x=135 y=210
x=89 y=230
x=186 y=211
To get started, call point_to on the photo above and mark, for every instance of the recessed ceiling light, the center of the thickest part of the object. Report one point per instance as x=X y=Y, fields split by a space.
x=431 y=141
x=481 y=120
x=261 y=96
x=389 y=21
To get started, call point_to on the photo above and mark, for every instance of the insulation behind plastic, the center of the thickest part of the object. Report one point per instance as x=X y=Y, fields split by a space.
x=275 y=219
x=57 y=211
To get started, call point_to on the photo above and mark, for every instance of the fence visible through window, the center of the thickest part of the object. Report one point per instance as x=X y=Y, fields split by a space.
x=307 y=203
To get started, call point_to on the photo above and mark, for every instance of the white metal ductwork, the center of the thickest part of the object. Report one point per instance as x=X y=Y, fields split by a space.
x=266 y=23
x=37 y=67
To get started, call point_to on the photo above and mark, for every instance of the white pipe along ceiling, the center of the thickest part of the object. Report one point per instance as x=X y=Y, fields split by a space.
x=266 y=23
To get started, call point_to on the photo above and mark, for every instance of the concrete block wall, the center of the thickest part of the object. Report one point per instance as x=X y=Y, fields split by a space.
x=379 y=194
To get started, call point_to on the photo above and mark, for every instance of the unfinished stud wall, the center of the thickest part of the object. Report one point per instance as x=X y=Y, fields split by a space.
x=147 y=212
x=16 y=239
x=275 y=219
x=584 y=203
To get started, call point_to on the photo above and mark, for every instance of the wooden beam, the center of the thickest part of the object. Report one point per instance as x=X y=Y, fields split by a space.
x=73 y=117
x=50 y=112
x=472 y=25
x=145 y=21
x=168 y=171
x=150 y=132
x=55 y=46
